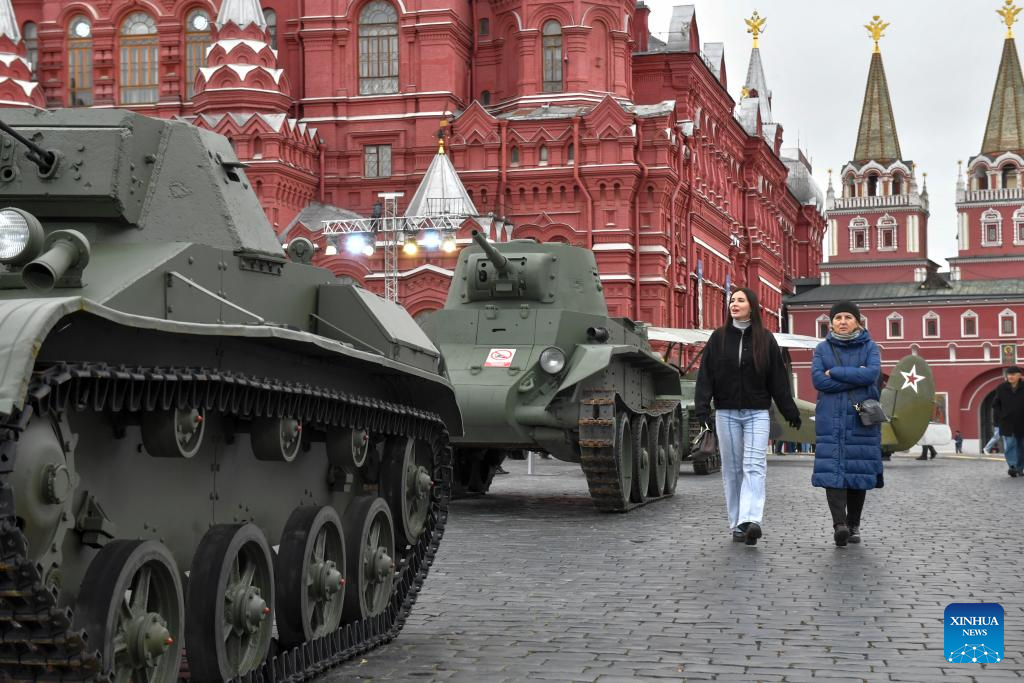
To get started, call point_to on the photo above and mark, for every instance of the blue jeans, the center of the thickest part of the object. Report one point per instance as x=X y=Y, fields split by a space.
x=743 y=440
x=992 y=441
x=1011 y=450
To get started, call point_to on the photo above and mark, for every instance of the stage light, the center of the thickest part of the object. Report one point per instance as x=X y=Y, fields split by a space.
x=331 y=250
x=357 y=242
x=448 y=244
x=431 y=239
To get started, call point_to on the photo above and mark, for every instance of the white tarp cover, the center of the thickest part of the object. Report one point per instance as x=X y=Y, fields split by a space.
x=692 y=337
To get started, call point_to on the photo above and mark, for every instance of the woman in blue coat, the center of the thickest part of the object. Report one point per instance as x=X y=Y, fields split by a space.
x=848 y=455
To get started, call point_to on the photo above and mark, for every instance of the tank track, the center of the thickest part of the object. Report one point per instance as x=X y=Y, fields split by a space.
x=597 y=450
x=37 y=641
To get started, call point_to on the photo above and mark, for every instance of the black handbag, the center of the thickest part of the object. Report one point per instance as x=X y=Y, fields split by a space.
x=704 y=445
x=869 y=410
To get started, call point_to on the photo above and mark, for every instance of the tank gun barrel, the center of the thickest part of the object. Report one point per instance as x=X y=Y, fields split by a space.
x=43 y=158
x=500 y=262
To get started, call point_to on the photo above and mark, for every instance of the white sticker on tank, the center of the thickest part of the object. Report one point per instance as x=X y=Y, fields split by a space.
x=499 y=358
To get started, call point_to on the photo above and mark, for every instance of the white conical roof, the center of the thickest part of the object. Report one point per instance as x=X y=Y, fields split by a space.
x=441 y=192
x=8 y=22
x=240 y=12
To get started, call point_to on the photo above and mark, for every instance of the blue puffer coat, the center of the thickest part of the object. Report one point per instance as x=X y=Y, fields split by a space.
x=847 y=454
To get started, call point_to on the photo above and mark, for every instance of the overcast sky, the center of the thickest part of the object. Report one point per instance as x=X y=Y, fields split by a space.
x=940 y=57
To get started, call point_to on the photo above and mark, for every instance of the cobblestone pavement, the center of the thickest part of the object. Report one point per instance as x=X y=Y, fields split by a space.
x=531 y=583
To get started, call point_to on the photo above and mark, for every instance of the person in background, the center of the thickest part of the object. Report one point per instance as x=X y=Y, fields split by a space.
x=742 y=371
x=1008 y=406
x=848 y=456
x=958 y=441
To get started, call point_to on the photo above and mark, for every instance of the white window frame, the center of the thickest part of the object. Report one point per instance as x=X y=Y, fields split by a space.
x=888 y=326
x=931 y=315
x=991 y=217
x=1018 y=227
x=1007 y=313
x=963 y=318
x=823 y=318
x=887 y=223
x=861 y=224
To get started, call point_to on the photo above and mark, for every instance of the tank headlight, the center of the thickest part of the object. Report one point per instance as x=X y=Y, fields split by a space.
x=552 y=360
x=21 y=237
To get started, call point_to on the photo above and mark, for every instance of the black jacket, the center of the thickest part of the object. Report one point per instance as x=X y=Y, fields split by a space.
x=736 y=384
x=1008 y=407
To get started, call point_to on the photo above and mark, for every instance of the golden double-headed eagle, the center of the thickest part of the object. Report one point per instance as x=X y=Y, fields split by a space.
x=1009 y=13
x=755 y=25
x=876 y=27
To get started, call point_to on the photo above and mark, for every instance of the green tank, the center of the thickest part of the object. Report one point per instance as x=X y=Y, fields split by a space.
x=538 y=365
x=205 y=446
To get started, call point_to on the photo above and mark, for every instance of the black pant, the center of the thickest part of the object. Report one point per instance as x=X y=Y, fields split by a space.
x=845 y=505
x=926 y=449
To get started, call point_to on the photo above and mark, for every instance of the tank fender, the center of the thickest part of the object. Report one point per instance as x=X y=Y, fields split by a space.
x=26 y=323
x=588 y=360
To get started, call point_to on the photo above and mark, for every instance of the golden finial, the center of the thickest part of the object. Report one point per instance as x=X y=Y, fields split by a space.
x=745 y=92
x=877 y=29
x=755 y=26
x=1009 y=14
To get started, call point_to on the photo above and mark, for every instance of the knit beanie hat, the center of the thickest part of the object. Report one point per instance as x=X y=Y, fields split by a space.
x=844 y=307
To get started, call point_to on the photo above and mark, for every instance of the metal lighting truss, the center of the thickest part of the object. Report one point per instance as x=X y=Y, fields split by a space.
x=390 y=231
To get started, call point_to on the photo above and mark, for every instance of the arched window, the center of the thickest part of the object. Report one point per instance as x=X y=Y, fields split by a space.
x=485 y=98
x=542 y=156
x=378 y=49
x=270 y=16
x=859 y=234
x=850 y=187
x=822 y=325
x=887 y=233
x=930 y=324
x=969 y=324
x=952 y=351
x=1008 y=176
x=140 y=56
x=873 y=185
x=991 y=229
x=1007 y=323
x=894 y=326
x=552 y=37
x=981 y=178
x=897 y=184
x=30 y=33
x=80 y=62
x=197 y=38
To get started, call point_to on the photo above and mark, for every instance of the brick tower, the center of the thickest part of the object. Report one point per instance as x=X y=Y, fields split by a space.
x=17 y=89
x=878 y=227
x=990 y=201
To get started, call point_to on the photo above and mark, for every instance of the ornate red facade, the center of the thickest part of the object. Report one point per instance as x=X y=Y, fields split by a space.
x=568 y=119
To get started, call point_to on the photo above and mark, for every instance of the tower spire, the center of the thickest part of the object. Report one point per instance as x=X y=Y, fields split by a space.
x=241 y=13
x=8 y=22
x=1004 y=130
x=876 y=136
x=17 y=89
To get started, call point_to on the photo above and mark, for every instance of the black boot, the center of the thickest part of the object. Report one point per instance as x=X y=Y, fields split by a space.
x=921 y=457
x=841 y=534
x=753 y=533
x=854 y=535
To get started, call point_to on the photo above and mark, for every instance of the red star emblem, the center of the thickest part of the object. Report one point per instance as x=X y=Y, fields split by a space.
x=910 y=379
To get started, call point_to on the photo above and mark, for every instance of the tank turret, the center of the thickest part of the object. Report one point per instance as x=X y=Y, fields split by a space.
x=177 y=398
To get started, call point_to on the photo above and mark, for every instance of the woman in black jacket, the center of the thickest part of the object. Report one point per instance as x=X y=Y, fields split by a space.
x=742 y=371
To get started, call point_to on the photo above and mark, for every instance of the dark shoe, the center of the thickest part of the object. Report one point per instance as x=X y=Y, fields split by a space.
x=1012 y=472
x=854 y=535
x=921 y=457
x=841 y=535
x=501 y=470
x=739 y=535
x=752 y=533
x=933 y=456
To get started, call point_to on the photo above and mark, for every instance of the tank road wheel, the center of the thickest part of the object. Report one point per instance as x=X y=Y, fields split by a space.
x=659 y=457
x=406 y=486
x=276 y=438
x=130 y=606
x=370 y=539
x=230 y=590
x=310 y=585
x=174 y=433
x=624 y=460
x=673 y=435
x=641 y=459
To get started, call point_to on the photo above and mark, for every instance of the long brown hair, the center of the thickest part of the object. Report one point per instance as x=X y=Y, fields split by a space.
x=759 y=339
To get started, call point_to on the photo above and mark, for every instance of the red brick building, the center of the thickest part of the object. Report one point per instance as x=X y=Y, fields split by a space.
x=569 y=120
x=963 y=322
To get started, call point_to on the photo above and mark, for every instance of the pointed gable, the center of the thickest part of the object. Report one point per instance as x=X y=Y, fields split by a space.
x=441 y=191
x=876 y=137
x=8 y=22
x=1004 y=131
x=608 y=119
